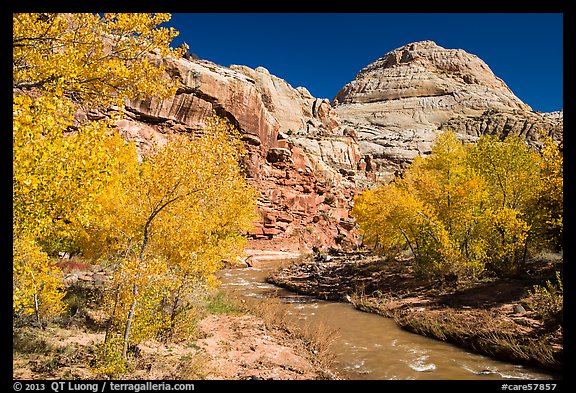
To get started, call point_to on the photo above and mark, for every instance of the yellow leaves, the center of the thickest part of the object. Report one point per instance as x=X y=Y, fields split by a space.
x=550 y=203
x=62 y=168
x=505 y=233
x=56 y=175
x=508 y=224
x=36 y=283
x=169 y=222
x=510 y=168
x=135 y=293
x=465 y=207
x=108 y=360
x=87 y=55
x=388 y=217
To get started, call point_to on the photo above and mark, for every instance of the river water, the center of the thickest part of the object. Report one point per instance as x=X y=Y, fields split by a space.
x=369 y=346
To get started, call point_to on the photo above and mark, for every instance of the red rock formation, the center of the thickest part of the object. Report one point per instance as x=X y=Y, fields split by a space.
x=298 y=156
x=308 y=158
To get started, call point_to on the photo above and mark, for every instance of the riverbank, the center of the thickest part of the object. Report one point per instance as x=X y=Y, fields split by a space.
x=231 y=347
x=230 y=339
x=491 y=317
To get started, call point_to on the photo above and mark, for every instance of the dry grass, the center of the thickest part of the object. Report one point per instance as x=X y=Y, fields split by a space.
x=314 y=340
x=53 y=352
x=183 y=361
x=482 y=333
x=384 y=304
x=67 y=347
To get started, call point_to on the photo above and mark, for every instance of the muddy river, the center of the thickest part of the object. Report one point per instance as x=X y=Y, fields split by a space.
x=369 y=346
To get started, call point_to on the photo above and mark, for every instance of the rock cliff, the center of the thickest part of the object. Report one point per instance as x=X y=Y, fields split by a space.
x=309 y=157
x=299 y=156
x=397 y=103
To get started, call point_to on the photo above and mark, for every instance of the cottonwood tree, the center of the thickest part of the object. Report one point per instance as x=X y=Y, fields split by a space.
x=36 y=291
x=432 y=210
x=166 y=222
x=546 y=214
x=62 y=63
x=465 y=208
x=172 y=223
x=518 y=180
x=456 y=195
x=390 y=219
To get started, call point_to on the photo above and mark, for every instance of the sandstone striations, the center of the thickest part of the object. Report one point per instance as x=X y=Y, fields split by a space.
x=308 y=157
x=397 y=103
x=299 y=156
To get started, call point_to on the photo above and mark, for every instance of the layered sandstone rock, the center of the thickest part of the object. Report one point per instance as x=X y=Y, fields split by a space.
x=307 y=157
x=398 y=103
x=528 y=124
x=306 y=122
x=299 y=156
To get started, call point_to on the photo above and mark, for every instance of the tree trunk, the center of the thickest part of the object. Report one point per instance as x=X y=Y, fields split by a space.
x=409 y=245
x=135 y=288
x=37 y=310
x=159 y=207
x=129 y=321
x=111 y=319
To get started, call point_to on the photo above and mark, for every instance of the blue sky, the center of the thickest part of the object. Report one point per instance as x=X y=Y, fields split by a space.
x=324 y=51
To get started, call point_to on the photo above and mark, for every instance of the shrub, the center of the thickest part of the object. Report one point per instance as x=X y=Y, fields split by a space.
x=548 y=301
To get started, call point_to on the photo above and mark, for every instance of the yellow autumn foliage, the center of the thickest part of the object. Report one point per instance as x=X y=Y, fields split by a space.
x=91 y=59
x=467 y=208
x=169 y=225
x=164 y=222
x=63 y=63
x=37 y=284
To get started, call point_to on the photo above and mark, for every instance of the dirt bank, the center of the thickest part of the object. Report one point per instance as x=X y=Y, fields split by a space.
x=229 y=340
x=491 y=317
x=228 y=347
x=243 y=347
